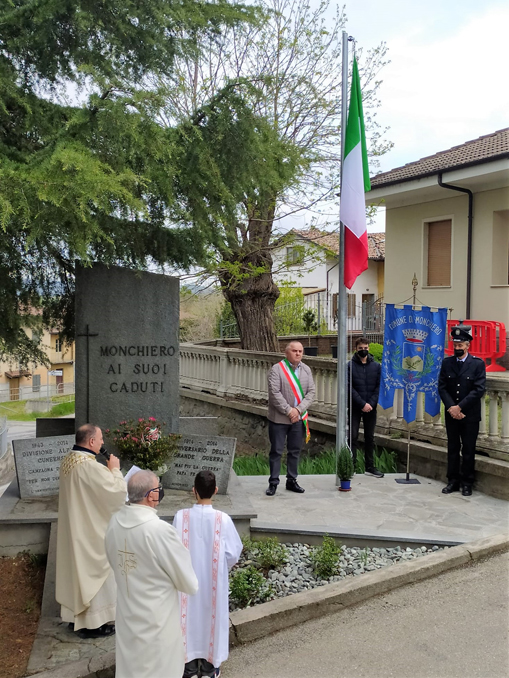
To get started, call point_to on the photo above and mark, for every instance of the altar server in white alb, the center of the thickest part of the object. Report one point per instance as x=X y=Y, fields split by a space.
x=215 y=547
x=90 y=493
x=151 y=565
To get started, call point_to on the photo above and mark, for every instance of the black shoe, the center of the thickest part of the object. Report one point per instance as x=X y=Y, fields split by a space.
x=451 y=487
x=271 y=490
x=294 y=486
x=467 y=490
x=372 y=471
x=102 y=632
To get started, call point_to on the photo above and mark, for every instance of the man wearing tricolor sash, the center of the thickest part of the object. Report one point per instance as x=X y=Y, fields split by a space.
x=291 y=392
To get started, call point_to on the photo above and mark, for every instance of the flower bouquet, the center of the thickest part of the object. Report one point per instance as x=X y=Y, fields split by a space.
x=143 y=444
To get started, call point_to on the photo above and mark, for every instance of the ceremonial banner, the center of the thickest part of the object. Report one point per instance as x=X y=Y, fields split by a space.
x=413 y=351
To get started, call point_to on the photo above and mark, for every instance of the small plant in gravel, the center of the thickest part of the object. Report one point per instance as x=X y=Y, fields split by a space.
x=271 y=554
x=267 y=554
x=325 y=558
x=248 y=585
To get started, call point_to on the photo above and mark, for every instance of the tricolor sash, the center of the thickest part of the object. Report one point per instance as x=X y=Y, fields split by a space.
x=290 y=375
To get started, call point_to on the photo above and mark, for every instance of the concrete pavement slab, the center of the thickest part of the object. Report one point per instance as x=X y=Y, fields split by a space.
x=380 y=507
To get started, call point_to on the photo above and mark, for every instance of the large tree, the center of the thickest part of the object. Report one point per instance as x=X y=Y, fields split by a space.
x=86 y=169
x=292 y=63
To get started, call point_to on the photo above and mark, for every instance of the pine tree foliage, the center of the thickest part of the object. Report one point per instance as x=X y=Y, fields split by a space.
x=87 y=170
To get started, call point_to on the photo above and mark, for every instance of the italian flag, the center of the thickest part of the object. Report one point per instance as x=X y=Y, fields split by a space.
x=354 y=183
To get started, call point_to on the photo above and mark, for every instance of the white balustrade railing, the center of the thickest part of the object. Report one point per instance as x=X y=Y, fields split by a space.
x=242 y=375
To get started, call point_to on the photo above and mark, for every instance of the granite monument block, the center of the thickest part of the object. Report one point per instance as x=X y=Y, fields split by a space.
x=54 y=426
x=198 y=453
x=127 y=362
x=38 y=464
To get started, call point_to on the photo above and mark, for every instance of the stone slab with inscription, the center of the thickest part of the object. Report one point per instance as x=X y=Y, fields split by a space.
x=197 y=453
x=38 y=464
x=127 y=363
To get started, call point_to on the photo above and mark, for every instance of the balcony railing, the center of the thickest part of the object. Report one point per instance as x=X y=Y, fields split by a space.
x=242 y=375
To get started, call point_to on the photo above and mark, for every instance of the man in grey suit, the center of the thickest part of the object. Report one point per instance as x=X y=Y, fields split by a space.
x=291 y=392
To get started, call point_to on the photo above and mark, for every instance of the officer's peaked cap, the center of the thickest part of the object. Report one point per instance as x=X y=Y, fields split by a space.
x=461 y=332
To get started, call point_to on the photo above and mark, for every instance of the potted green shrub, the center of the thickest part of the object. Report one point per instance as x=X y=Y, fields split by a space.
x=345 y=469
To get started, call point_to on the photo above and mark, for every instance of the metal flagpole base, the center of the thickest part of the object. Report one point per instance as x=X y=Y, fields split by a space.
x=408 y=481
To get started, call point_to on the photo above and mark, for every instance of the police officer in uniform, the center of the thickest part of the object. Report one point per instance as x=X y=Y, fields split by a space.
x=461 y=385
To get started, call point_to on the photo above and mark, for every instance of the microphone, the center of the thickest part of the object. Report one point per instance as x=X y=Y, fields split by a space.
x=105 y=453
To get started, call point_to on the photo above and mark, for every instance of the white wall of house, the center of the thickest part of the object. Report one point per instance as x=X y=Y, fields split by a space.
x=320 y=271
x=312 y=272
x=406 y=253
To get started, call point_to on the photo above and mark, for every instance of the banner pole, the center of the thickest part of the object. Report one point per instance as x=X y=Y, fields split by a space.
x=341 y=367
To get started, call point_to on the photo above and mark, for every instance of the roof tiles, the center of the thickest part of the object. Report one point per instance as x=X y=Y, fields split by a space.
x=484 y=149
x=330 y=241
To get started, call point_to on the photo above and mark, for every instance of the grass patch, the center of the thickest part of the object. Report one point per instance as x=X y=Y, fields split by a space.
x=323 y=464
x=14 y=410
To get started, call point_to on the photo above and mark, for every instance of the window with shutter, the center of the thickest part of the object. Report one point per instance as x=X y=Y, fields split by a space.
x=351 y=305
x=500 y=260
x=439 y=253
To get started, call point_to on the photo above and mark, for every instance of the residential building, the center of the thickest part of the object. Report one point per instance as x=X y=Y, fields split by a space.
x=447 y=222
x=36 y=381
x=309 y=259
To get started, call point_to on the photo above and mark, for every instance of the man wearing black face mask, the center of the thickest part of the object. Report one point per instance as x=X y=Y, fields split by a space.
x=461 y=386
x=363 y=387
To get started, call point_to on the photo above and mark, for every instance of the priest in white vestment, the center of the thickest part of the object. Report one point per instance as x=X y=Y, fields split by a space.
x=151 y=566
x=89 y=495
x=215 y=547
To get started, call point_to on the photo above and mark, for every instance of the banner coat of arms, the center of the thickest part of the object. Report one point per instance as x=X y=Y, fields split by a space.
x=413 y=351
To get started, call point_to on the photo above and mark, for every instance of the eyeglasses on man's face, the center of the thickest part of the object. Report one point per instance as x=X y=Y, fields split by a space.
x=155 y=489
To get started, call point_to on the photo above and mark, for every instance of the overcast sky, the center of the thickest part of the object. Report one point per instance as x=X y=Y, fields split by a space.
x=447 y=80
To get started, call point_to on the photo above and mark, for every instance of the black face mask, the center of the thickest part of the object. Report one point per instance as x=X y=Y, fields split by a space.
x=363 y=353
x=161 y=494
x=459 y=352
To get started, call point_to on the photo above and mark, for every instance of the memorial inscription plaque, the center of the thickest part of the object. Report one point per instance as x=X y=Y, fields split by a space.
x=198 y=453
x=127 y=362
x=38 y=464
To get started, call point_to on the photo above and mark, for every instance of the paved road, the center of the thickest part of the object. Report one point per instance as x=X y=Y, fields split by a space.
x=451 y=626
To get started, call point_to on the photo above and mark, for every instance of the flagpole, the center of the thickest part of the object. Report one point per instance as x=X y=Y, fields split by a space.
x=342 y=310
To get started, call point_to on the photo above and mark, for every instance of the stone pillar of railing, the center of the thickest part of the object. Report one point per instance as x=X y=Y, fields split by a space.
x=224 y=375
x=483 y=422
x=504 y=433
x=399 y=404
x=319 y=378
x=493 y=410
x=419 y=417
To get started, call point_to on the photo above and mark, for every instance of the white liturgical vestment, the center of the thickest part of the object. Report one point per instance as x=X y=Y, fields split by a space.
x=89 y=494
x=215 y=547
x=150 y=565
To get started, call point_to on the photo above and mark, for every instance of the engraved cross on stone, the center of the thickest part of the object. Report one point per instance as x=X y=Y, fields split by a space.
x=88 y=334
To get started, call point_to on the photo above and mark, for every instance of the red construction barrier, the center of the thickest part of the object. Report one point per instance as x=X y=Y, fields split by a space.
x=489 y=341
